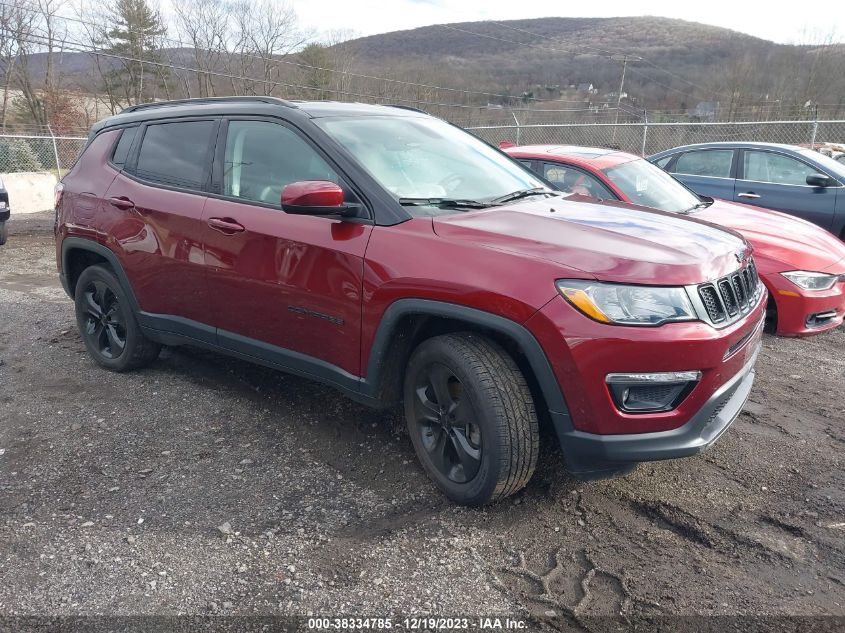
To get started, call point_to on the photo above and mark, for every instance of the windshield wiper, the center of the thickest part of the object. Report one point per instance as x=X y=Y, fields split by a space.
x=696 y=207
x=454 y=203
x=522 y=193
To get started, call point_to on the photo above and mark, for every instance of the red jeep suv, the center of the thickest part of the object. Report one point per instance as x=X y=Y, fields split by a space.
x=399 y=259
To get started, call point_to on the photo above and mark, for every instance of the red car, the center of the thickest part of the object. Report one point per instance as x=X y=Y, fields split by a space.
x=400 y=259
x=802 y=265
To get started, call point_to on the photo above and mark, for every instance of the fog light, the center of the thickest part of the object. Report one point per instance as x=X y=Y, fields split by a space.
x=820 y=318
x=651 y=393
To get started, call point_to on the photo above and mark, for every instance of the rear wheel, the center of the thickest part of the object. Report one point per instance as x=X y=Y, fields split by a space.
x=108 y=326
x=471 y=418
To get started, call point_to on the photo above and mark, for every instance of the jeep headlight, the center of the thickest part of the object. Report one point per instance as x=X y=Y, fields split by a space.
x=623 y=304
x=809 y=280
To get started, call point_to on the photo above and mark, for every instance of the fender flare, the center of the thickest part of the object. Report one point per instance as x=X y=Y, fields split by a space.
x=534 y=353
x=81 y=243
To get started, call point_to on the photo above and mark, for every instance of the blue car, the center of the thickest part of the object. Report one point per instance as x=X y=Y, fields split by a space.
x=785 y=178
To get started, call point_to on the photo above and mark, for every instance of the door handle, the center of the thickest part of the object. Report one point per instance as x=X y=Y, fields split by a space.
x=227 y=226
x=122 y=202
x=748 y=194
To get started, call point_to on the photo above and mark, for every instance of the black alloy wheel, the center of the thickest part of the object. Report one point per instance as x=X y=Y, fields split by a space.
x=447 y=424
x=471 y=417
x=105 y=324
x=109 y=327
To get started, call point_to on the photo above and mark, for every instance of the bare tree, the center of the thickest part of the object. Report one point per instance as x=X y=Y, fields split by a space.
x=92 y=22
x=242 y=60
x=47 y=32
x=204 y=26
x=273 y=31
x=16 y=26
x=341 y=59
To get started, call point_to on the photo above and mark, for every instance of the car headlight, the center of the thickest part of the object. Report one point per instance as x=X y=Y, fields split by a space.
x=809 y=280
x=622 y=304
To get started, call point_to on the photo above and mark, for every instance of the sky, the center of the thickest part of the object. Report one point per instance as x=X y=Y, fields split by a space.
x=787 y=22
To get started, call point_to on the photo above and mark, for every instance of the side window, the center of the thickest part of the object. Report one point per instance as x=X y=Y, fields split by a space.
x=121 y=150
x=261 y=158
x=571 y=180
x=175 y=153
x=775 y=168
x=664 y=161
x=715 y=163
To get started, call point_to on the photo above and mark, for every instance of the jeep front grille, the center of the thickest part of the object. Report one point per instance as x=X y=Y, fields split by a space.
x=710 y=298
x=728 y=298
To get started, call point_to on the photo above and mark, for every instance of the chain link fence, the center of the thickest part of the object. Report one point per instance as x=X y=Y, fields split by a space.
x=54 y=154
x=57 y=154
x=648 y=138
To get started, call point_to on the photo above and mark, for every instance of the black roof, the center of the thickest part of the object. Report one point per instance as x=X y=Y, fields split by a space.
x=250 y=105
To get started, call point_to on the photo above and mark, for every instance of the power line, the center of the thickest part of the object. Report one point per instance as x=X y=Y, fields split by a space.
x=647 y=78
x=92 y=51
x=687 y=81
x=275 y=60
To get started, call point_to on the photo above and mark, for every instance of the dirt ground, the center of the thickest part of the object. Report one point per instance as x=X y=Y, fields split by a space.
x=204 y=485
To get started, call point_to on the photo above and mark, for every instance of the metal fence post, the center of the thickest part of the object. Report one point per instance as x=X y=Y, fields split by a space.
x=55 y=153
x=815 y=131
x=518 y=131
x=645 y=130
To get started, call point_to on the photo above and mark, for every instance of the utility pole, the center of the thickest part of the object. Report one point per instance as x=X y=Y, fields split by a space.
x=625 y=59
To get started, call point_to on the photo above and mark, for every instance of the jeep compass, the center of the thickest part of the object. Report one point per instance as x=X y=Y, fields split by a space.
x=401 y=260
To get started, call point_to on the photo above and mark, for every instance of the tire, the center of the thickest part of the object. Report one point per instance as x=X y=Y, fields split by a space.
x=107 y=323
x=4 y=233
x=471 y=418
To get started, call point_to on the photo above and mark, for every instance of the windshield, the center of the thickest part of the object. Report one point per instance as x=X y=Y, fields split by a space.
x=422 y=158
x=650 y=186
x=830 y=164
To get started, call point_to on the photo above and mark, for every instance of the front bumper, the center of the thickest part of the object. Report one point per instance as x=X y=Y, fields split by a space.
x=4 y=215
x=796 y=307
x=592 y=455
x=597 y=438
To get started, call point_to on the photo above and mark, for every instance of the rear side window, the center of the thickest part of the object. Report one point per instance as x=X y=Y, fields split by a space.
x=176 y=154
x=121 y=150
x=715 y=163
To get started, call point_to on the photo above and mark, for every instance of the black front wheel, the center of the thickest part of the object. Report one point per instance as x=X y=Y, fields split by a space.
x=4 y=233
x=471 y=418
x=108 y=326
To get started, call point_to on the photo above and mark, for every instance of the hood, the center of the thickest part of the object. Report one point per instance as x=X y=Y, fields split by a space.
x=782 y=239
x=608 y=241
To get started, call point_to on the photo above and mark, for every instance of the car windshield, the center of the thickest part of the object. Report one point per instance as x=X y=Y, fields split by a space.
x=829 y=164
x=650 y=186
x=424 y=161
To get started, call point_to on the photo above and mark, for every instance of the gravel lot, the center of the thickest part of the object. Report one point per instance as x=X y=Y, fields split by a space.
x=205 y=485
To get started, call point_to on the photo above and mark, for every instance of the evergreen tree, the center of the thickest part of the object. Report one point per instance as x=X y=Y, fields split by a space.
x=132 y=34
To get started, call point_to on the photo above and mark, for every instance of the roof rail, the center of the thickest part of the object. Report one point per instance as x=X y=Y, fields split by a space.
x=203 y=100
x=404 y=107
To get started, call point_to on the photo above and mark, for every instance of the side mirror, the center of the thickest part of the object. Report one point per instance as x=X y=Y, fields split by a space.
x=818 y=180
x=316 y=197
x=506 y=144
